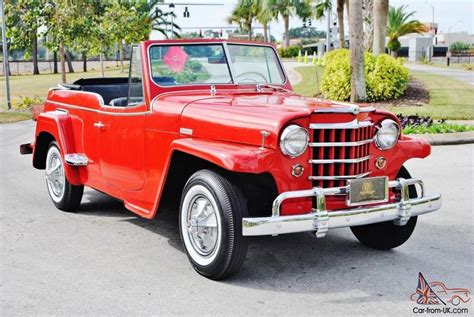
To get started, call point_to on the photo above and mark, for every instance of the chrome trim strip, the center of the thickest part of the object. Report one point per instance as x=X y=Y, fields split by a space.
x=355 y=124
x=338 y=177
x=119 y=114
x=355 y=143
x=343 y=107
x=331 y=161
x=322 y=220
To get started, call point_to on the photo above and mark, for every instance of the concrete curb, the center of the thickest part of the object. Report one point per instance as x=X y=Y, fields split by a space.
x=447 y=138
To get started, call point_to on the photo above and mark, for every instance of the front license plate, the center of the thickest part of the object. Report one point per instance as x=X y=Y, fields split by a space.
x=367 y=191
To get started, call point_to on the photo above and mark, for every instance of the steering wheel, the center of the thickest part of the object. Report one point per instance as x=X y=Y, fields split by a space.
x=265 y=80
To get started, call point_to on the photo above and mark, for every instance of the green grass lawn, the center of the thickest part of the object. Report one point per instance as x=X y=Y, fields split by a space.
x=312 y=76
x=14 y=116
x=449 y=99
x=37 y=86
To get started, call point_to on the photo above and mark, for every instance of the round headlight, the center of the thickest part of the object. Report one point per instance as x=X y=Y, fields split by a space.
x=294 y=140
x=387 y=134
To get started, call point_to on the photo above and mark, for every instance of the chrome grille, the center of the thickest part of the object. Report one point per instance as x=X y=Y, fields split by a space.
x=340 y=152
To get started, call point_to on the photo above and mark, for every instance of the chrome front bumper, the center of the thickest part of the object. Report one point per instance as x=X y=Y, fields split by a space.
x=321 y=220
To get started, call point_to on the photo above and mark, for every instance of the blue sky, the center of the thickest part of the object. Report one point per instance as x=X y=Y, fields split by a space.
x=459 y=13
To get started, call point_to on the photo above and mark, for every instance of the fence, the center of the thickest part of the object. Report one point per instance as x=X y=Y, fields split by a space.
x=46 y=67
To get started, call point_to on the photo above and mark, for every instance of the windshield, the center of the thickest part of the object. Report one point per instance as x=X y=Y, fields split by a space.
x=188 y=64
x=255 y=64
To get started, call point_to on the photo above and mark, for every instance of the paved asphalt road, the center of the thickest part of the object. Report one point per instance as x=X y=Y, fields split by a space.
x=459 y=74
x=105 y=260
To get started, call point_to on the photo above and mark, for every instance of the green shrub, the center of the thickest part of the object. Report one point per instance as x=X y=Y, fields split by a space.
x=385 y=76
x=195 y=66
x=459 y=47
x=291 y=51
x=336 y=83
x=28 y=102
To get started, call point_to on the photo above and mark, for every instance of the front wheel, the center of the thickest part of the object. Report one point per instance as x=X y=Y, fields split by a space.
x=64 y=195
x=387 y=235
x=210 y=224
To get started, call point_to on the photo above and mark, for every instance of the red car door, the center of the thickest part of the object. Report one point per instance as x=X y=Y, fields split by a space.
x=122 y=146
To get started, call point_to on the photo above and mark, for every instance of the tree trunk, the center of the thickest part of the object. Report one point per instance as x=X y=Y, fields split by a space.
x=84 y=62
x=394 y=54
x=347 y=8
x=249 y=27
x=286 y=19
x=120 y=46
x=69 y=61
x=34 y=53
x=101 y=58
x=265 y=32
x=340 y=23
x=63 y=63
x=380 y=26
x=368 y=24
x=55 y=62
x=358 y=90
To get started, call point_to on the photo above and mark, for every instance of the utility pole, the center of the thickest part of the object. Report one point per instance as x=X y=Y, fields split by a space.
x=328 y=31
x=5 y=57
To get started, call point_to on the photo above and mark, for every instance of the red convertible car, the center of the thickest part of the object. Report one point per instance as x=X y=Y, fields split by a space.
x=213 y=128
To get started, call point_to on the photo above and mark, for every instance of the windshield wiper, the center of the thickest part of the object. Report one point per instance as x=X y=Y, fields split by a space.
x=260 y=86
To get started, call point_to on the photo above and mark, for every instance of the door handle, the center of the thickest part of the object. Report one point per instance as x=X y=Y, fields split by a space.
x=99 y=125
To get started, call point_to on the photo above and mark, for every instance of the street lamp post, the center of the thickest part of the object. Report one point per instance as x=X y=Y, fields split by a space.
x=5 y=57
x=171 y=10
x=432 y=28
x=328 y=31
x=171 y=7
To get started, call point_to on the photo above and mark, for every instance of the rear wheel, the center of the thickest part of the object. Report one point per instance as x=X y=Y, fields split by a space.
x=64 y=195
x=210 y=224
x=387 y=235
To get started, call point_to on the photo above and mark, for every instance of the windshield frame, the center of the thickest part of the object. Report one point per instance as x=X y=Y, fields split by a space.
x=230 y=66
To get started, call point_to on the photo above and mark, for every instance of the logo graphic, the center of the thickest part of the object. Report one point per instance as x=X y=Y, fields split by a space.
x=367 y=189
x=436 y=293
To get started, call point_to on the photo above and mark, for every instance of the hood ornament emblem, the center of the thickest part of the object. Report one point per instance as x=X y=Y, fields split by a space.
x=265 y=134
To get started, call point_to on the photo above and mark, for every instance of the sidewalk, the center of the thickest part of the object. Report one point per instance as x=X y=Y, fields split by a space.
x=458 y=74
x=294 y=76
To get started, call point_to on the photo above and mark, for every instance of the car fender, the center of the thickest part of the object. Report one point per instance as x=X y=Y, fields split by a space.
x=229 y=156
x=59 y=125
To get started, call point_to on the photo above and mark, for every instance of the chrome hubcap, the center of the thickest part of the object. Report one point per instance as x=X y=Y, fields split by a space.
x=202 y=225
x=55 y=175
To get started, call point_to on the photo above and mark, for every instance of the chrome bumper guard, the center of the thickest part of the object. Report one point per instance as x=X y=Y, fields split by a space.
x=321 y=220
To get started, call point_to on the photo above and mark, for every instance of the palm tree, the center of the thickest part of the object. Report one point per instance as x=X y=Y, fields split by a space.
x=264 y=16
x=368 y=12
x=243 y=15
x=320 y=11
x=154 y=17
x=356 y=38
x=399 y=25
x=380 y=26
x=285 y=9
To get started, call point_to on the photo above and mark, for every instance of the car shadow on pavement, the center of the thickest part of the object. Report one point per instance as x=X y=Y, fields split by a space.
x=95 y=203
x=301 y=263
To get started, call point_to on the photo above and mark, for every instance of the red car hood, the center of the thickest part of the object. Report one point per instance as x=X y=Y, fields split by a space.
x=240 y=117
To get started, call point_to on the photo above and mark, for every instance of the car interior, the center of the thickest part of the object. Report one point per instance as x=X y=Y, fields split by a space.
x=114 y=90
